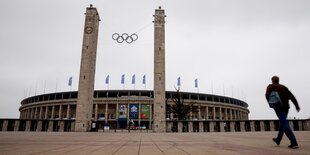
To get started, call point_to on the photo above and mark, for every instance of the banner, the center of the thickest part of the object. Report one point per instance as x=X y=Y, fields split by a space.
x=133 y=111
x=122 y=111
x=70 y=81
x=123 y=79
x=133 y=80
x=179 y=81
x=107 y=79
x=143 y=79
x=145 y=111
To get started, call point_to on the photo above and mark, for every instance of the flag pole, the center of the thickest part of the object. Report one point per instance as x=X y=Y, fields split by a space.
x=35 y=91
x=44 y=86
x=56 y=85
x=212 y=86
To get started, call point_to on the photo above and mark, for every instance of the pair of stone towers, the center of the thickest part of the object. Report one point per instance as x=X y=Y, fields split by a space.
x=88 y=67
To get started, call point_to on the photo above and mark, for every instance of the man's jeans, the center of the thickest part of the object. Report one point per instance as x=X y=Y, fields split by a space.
x=285 y=128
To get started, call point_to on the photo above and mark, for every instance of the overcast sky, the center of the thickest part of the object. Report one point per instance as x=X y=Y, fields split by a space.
x=232 y=47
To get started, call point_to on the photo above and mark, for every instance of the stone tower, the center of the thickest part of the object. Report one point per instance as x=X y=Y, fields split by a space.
x=87 y=71
x=159 y=72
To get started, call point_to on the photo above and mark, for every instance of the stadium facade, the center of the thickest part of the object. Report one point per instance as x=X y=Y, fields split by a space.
x=116 y=108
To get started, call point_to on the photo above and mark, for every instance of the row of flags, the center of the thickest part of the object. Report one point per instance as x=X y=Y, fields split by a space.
x=133 y=80
x=179 y=82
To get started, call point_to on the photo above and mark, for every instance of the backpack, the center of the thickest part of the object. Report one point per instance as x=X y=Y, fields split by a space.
x=275 y=100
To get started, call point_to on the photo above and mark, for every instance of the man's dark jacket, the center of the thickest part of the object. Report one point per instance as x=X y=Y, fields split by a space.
x=285 y=95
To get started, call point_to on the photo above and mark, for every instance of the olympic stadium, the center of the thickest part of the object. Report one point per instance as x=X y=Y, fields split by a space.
x=133 y=110
x=115 y=108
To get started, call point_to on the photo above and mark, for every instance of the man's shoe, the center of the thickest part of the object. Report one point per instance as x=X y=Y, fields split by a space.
x=275 y=140
x=293 y=146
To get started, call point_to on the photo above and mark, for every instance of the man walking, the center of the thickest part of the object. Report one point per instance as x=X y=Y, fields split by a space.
x=285 y=95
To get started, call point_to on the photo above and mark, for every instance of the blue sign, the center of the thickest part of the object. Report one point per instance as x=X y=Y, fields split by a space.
x=133 y=111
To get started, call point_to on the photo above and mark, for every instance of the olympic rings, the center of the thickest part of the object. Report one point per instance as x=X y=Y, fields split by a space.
x=125 y=37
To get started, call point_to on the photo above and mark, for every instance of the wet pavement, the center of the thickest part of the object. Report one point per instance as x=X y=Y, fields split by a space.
x=230 y=143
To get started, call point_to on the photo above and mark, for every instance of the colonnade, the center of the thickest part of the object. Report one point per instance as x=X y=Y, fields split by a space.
x=110 y=111
x=215 y=113
x=61 y=111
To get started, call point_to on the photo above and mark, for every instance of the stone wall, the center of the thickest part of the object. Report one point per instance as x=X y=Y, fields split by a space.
x=172 y=126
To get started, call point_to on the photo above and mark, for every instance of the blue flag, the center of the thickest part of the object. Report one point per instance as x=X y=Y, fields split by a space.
x=179 y=81
x=70 y=81
x=133 y=80
x=143 y=79
x=123 y=79
x=107 y=79
x=196 y=83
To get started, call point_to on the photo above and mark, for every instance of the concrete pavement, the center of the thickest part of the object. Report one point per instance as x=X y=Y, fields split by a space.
x=67 y=143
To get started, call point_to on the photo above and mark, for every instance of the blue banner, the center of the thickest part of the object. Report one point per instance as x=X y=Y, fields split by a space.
x=133 y=111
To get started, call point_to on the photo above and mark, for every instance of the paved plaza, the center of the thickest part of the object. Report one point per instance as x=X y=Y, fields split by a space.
x=232 y=143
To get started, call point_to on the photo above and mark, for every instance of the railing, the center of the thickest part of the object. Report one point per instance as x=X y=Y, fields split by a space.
x=171 y=126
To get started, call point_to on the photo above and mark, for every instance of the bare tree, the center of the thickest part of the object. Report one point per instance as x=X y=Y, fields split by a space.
x=178 y=107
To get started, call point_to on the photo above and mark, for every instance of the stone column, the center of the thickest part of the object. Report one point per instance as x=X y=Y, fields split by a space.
x=35 y=112
x=41 y=113
x=5 y=125
x=221 y=114
x=159 y=72
x=28 y=123
x=96 y=112
x=84 y=105
x=139 y=116
x=180 y=126
x=242 y=128
x=252 y=124
x=211 y=126
x=291 y=125
x=39 y=126
x=106 y=113
x=226 y=112
x=50 y=126
x=262 y=126
x=199 y=113
x=272 y=128
x=61 y=126
x=190 y=126
x=46 y=113
x=53 y=112
x=201 y=126
x=68 y=112
x=169 y=126
x=222 y=126
x=207 y=112
x=214 y=113
x=151 y=117
x=16 y=125
x=60 y=112
x=230 y=113
x=116 y=115
x=232 y=126
x=299 y=125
